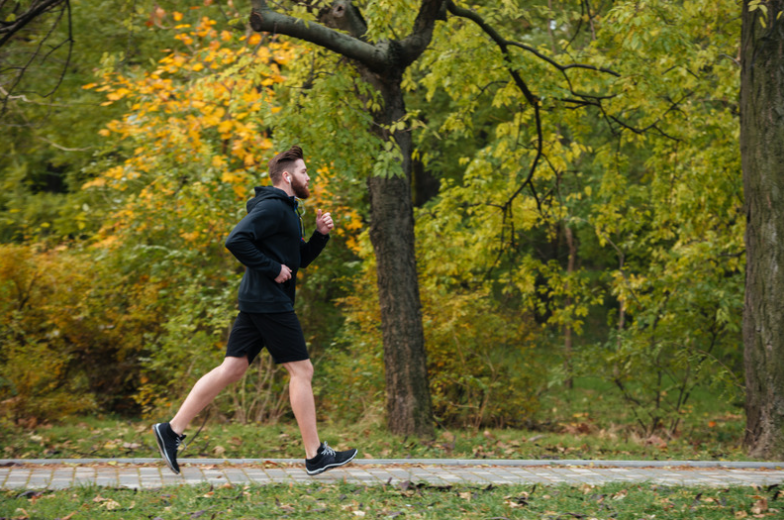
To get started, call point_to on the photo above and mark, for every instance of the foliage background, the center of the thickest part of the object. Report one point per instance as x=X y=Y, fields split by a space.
x=622 y=261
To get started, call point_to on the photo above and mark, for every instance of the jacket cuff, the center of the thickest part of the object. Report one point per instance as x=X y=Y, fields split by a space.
x=274 y=269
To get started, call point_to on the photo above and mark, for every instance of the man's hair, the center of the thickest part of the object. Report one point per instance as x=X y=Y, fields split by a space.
x=283 y=162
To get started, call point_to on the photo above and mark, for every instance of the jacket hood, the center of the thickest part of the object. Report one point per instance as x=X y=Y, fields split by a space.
x=268 y=192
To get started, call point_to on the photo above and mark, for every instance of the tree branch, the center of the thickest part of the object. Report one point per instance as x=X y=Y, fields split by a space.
x=521 y=85
x=374 y=57
x=557 y=65
x=39 y=7
x=414 y=44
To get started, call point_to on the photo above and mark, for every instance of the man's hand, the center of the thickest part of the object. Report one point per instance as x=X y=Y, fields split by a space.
x=285 y=274
x=324 y=223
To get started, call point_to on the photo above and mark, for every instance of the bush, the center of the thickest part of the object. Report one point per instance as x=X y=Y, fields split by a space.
x=70 y=334
x=480 y=374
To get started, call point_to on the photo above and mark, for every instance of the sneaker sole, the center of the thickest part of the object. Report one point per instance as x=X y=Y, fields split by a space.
x=330 y=466
x=159 y=440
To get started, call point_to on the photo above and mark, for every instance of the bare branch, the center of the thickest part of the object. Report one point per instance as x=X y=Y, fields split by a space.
x=20 y=70
x=38 y=7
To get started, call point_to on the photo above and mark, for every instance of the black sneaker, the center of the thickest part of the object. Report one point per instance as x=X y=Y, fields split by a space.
x=327 y=458
x=168 y=442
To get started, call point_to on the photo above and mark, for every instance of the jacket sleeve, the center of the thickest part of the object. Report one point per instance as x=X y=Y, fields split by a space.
x=254 y=227
x=308 y=251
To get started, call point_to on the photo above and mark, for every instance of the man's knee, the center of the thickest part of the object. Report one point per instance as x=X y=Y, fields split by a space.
x=300 y=369
x=234 y=368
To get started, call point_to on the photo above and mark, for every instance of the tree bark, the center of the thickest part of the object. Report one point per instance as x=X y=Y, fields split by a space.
x=762 y=152
x=408 y=404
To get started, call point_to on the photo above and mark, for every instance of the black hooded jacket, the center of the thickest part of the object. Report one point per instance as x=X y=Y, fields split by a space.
x=268 y=236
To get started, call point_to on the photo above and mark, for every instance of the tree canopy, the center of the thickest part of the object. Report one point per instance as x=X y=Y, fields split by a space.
x=571 y=172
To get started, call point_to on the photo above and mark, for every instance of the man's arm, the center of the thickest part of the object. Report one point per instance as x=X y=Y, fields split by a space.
x=241 y=242
x=310 y=250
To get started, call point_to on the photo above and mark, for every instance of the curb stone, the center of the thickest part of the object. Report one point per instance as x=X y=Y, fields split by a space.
x=432 y=462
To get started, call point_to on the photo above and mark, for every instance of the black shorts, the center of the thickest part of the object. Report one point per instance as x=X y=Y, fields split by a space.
x=281 y=333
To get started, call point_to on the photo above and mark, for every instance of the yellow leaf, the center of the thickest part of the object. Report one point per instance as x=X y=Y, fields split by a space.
x=255 y=39
x=95 y=183
x=118 y=94
x=177 y=16
x=225 y=126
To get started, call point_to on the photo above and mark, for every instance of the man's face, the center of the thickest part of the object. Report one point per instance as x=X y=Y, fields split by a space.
x=300 y=179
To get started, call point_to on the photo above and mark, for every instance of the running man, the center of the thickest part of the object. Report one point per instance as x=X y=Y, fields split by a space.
x=270 y=242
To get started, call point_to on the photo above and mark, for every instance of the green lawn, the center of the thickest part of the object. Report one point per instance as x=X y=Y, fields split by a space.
x=612 y=501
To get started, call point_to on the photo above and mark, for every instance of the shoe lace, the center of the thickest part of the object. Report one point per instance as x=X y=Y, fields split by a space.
x=327 y=450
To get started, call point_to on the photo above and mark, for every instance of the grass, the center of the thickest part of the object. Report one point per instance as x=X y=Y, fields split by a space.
x=589 y=422
x=107 y=438
x=586 y=423
x=616 y=501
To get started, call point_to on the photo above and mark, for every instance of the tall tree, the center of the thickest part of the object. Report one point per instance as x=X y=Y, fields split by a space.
x=762 y=152
x=409 y=410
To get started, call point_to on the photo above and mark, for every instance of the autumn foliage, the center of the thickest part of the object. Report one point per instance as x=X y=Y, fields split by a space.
x=626 y=237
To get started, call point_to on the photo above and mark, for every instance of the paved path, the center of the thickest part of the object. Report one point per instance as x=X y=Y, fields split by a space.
x=151 y=473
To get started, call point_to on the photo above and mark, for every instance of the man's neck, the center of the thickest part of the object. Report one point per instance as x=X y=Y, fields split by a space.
x=285 y=187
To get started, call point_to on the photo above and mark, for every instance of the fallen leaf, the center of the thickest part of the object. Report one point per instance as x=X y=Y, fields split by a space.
x=760 y=506
x=586 y=488
x=655 y=440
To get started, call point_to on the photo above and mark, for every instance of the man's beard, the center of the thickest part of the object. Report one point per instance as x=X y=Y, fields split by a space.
x=300 y=190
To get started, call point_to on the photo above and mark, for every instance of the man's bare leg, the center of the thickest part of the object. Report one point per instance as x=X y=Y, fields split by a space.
x=207 y=388
x=303 y=404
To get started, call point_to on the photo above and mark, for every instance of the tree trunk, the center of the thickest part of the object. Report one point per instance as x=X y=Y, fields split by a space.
x=568 y=348
x=408 y=405
x=425 y=184
x=409 y=410
x=762 y=152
